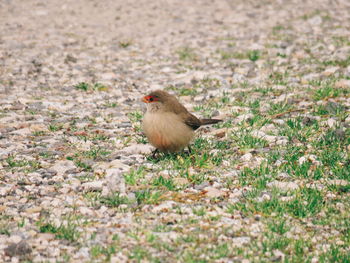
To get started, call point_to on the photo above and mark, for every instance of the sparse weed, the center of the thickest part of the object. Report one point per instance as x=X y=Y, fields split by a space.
x=187 y=53
x=90 y=87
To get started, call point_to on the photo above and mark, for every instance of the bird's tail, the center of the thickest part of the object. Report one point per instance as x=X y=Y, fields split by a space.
x=209 y=121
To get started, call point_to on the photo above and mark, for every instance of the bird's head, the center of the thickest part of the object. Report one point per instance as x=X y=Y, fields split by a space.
x=156 y=96
x=150 y=99
x=157 y=99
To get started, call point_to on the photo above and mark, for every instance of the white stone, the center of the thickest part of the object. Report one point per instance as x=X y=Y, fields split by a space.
x=270 y=138
x=240 y=241
x=199 y=98
x=287 y=186
x=302 y=160
x=114 y=182
x=164 y=207
x=213 y=192
x=243 y=117
x=278 y=254
x=92 y=186
x=258 y=134
x=315 y=20
x=46 y=236
x=22 y=132
x=137 y=149
x=15 y=239
x=119 y=257
x=186 y=78
x=282 y=141
x=312 y=158
x=86 y=211
x=278 y=121
x=4 y=190
x=83 y=253
x=343 y=83
x=331 y=123
x=338 y=182
x=108 y=76
x=167 y=70
x=246 y=157
x=330 y=71
x=63 y=166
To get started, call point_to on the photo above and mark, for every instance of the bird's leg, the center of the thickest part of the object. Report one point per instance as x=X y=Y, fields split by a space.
x=154 y=153
x=189 y=150
x=191 y=156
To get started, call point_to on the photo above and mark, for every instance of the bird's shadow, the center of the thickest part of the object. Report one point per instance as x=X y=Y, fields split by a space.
x=158 y=156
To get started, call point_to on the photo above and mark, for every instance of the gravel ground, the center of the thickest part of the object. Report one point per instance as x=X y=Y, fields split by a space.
x=269 y=184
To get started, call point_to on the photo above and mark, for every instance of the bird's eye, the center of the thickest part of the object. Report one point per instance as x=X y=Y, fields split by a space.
x=151 y=99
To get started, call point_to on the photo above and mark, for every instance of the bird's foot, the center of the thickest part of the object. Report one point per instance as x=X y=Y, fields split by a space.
x=190 y=154
x=154 y=155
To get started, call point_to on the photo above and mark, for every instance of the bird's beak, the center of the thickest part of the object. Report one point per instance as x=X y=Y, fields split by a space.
x=143 y=99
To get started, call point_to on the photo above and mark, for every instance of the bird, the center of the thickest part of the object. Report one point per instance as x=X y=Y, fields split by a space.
x=167 y=124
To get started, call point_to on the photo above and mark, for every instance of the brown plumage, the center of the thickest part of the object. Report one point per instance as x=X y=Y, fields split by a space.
x=167 y=123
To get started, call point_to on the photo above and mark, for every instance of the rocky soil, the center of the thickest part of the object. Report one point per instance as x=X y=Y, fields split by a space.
x=269 y=184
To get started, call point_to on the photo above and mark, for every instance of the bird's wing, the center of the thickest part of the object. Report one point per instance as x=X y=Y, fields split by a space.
x=191 y=120
x=188 y=118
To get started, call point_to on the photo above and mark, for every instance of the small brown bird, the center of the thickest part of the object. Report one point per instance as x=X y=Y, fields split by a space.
x=167 y=123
